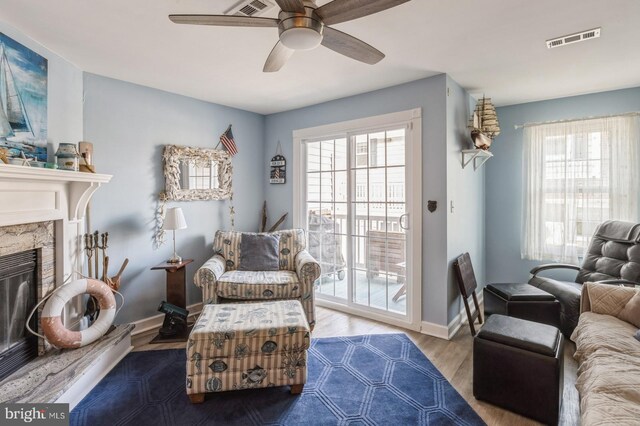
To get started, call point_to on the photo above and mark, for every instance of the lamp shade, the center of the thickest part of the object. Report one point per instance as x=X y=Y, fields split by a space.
x=174 y=219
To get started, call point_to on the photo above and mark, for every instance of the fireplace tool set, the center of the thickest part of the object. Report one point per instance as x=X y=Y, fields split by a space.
x=95 y=245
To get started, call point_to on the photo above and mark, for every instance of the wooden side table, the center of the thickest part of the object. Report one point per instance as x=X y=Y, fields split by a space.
x=176 y=293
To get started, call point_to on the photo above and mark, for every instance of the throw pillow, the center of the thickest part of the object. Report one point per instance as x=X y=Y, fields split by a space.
x=638 y=335
x=606 y=299
x=631 y=312
x=259 y=252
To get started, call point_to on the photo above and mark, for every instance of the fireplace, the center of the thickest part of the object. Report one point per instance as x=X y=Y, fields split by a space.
x=18 y=296
x=42 y=211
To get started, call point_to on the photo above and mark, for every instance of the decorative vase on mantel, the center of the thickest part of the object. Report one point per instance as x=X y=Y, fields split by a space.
x=484 y=124
x=67 y=157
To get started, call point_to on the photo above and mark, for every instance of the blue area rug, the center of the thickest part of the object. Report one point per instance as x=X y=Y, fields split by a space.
x=379 y=379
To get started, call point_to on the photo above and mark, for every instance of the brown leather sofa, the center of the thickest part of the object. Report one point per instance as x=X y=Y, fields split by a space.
x=613 y=257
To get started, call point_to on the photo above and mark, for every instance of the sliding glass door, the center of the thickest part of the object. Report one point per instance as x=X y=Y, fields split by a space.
x=356 y=213
x=378 y=209
x=327 y=213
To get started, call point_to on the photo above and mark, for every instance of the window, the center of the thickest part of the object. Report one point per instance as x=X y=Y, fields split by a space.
x=578 y=174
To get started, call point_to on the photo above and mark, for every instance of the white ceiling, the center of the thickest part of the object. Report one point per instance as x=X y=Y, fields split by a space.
x=496 y=47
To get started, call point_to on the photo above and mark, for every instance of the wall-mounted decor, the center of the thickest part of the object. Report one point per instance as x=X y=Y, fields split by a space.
x=193 y=174
x=484 y=124
x=23 y=100
x=229 y=143
x=278 y=174
x=477 y=155
x=196 y=174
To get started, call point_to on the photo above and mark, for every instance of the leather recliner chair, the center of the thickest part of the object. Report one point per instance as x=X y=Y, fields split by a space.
x=613 y=257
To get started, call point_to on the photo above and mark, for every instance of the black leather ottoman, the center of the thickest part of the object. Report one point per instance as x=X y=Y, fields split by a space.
x=518 y=365
x=522 y=301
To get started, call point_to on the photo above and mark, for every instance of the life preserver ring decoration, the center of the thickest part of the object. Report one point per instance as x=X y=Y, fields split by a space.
x=51 y=319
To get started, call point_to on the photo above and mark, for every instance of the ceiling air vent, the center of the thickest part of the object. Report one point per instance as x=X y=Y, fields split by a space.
x=251 y=8
x=573 y=38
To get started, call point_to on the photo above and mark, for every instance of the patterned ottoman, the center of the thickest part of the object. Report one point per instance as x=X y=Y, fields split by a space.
x=247 y=346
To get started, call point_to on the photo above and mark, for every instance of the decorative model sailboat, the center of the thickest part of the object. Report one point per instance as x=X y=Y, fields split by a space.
x=484 y=124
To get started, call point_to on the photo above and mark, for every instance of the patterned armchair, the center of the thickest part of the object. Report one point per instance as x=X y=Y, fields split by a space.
x=221 y=282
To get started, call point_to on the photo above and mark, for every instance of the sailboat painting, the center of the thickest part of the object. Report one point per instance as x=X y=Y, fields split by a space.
x=23 y=100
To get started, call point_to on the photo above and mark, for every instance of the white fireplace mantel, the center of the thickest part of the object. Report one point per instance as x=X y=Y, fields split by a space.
x=30 y=194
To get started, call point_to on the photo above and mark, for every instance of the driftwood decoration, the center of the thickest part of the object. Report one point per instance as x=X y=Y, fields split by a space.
x=278 y=223
x=174 y=156
x=263 y=224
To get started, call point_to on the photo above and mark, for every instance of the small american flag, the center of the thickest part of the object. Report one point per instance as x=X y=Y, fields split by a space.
x=228 y=142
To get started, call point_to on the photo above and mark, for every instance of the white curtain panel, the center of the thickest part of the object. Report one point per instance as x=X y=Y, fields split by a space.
x=577 y=175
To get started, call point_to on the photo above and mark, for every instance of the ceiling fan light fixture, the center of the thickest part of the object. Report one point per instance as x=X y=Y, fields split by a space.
x=301 y=38
x=303 y=25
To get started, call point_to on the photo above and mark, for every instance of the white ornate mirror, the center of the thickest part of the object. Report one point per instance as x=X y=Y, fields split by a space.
x=196 y=173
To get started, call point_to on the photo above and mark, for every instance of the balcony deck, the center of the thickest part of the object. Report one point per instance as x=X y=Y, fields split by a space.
x=372 y=292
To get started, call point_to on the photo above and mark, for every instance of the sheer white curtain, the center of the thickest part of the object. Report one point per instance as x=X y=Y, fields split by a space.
x=577 y=174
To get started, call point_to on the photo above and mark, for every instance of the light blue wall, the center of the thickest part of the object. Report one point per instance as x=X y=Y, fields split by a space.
x=64 y=109
x=129 y=126
x=466 y=190
x=428 y=94
x=504 y=178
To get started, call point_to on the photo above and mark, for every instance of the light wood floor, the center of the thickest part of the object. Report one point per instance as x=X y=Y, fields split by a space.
x=453 y=358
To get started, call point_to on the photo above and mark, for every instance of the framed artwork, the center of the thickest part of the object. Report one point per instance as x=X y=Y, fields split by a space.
x=23 y=101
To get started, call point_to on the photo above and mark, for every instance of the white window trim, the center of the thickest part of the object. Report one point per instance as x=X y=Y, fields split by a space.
x=413 y=118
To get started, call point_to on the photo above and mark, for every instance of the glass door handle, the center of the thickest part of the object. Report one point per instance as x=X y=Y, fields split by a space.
x=402 y=223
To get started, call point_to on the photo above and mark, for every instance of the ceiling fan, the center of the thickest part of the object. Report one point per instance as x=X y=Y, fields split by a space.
x=304 y=26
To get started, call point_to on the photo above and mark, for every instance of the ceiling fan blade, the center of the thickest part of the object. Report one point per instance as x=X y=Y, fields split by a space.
x=291 y=5
x=350 y=46
x=277 y=58
x=224 y=20
x=346 y=10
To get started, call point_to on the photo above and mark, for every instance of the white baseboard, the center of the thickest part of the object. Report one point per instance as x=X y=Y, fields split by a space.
x=101 y=366
x=447 y=332
x=435 y=330
x=155 y=322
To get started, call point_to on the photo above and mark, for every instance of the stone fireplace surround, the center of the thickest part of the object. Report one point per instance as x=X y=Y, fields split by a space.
x=45 y=209
x=33 y=236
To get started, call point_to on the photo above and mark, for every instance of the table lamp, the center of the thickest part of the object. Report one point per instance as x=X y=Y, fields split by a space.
x=173 y=221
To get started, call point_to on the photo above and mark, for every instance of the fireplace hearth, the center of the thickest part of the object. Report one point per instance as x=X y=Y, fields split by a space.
x=18 y=296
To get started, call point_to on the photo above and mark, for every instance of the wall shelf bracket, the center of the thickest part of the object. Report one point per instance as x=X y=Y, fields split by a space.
x=478 y=156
